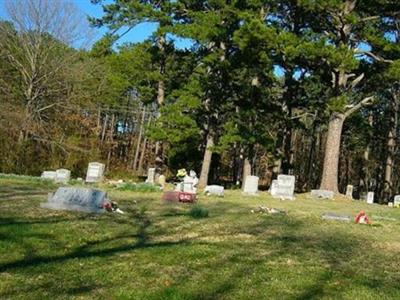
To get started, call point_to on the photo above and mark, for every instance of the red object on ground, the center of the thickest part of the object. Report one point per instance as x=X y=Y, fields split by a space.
x=187 y=197
x=362 y=218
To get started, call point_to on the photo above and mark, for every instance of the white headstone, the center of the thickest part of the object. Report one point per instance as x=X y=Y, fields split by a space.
x=370 y=198
x=349 y=191
x=95 y=172
x=216 y=190
x=49 y=175
x=161 y=180
x=189 y=184
x=323 y=194
x=151 y=173
x=251 y=185
x=396 y=201
x=286 y=186
x=274 y=188
x=63 y=175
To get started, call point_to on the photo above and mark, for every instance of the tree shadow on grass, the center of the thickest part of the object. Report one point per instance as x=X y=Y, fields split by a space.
x=85 y=251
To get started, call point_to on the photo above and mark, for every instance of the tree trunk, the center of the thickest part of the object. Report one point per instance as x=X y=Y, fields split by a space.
x=246 y=170
x=332 y=151
x=111 y=141
x=205 y=168
x=391 y=149
x=143 y=152
x=139 y=140
x=103 y=134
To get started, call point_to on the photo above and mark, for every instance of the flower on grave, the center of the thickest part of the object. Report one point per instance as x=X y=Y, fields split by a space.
x=181 y=174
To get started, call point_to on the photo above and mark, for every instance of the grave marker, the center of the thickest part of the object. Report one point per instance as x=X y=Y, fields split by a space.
x=349 y=191
x=274 y=188
x=216 y=190
x=251 y=185
x=95 y=172
x=151 y=173
x=322 y=194
x=286 y=184
x=63 y=176
x=161 y=180
x=396 y=201
x=78 y=199
x=370 y=198
x=49 y=175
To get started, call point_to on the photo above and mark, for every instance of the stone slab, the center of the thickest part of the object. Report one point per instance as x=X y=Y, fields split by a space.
x=214 y=190
x=77 y=199
x=322 y=194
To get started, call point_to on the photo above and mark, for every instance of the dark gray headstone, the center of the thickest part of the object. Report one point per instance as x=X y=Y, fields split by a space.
x=79 y=199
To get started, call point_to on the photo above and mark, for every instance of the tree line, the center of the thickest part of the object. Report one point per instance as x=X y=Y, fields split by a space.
x=303 y=87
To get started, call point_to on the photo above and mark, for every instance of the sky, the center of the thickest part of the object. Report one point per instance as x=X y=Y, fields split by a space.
x=137 y=34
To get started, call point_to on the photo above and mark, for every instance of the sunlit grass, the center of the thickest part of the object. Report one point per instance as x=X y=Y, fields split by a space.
x=162 y=251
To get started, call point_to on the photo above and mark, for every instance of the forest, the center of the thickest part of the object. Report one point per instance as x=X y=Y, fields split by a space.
x=264 y=87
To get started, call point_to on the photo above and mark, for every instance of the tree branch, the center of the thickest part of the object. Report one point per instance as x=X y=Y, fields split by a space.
x=360 y=104
x=374 y=56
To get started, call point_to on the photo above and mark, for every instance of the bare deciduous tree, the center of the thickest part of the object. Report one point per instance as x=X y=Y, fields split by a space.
x=38 y=41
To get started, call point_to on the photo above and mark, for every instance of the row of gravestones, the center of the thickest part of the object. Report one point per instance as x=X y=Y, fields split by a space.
x=95 y=173
x=282 y=187
x=371 y=196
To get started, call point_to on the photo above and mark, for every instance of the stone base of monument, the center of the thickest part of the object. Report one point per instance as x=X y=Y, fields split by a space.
x=77 y=199
x=322 y=194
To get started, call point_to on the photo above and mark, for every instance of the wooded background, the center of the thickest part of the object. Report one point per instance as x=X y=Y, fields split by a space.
x=303 y=87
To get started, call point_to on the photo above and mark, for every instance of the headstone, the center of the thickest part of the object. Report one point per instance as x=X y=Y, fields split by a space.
x=396 y=201
x=95 y=172
x=161 y=181
x=79 y=199
x=151 y=173
x=349 y=191
x=322 y=194
x=216 y=190
x=336 y=217
x=63 y=175
x=285 y=186
x=189 y=184
x=49 y=175
x=251 y=185
x=370 y=198
x=274 y=188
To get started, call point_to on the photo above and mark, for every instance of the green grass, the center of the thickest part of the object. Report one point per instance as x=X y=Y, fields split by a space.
x=139 y=187
x=160 y=251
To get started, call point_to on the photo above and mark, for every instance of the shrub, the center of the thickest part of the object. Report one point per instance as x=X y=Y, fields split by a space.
x=198 y=212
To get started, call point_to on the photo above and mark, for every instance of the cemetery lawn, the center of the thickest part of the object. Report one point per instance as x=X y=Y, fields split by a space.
x=159 y=251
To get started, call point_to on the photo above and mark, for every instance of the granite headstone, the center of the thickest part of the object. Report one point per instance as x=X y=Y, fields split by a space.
x=78 y=199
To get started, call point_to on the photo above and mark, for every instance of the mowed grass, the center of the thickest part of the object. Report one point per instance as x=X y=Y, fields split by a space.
x=160 y=251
